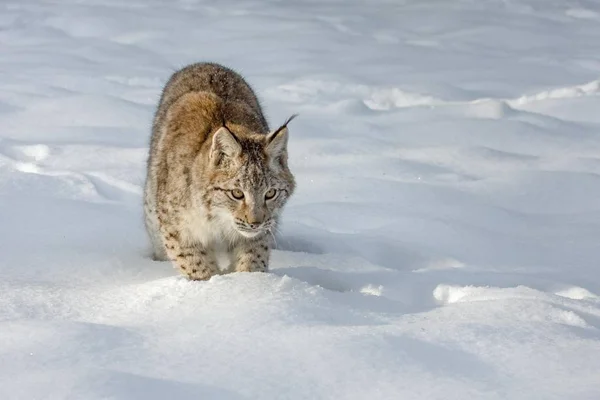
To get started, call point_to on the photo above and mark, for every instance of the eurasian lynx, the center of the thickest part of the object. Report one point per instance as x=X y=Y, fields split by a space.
x=217 y=176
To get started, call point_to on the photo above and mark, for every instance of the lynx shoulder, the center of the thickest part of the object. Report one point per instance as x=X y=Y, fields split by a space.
x=217 y=176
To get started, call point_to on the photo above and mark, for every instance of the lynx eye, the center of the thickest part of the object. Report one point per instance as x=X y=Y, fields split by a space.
x=270 y=194
x=237 y=194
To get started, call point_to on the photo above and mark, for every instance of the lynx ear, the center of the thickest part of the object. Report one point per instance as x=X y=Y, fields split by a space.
x=277 y=141
x=224 y=143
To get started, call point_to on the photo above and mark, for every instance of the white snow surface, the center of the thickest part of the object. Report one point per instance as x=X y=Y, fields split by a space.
x=443 y=242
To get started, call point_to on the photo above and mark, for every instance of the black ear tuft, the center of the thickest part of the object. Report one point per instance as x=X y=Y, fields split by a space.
x=290 y=119
x=285 y=124
x=277 y=141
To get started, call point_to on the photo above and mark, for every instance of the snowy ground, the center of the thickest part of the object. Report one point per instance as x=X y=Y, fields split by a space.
x=442 y=244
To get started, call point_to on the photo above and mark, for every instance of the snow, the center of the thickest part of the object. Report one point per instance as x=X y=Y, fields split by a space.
x=442 y=243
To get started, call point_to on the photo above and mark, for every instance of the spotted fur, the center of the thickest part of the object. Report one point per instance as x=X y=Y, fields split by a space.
x=211 y=142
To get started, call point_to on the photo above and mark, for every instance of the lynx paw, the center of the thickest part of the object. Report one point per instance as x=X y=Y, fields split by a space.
x=199 y=274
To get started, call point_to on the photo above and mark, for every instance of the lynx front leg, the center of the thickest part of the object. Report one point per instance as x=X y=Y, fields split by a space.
x=252 y=255
x=192 y=260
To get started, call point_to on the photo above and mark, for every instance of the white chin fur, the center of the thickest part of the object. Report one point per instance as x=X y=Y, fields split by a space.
x=249 y=235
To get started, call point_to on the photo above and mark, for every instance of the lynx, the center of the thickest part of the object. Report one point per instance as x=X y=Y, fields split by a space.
x=217 y=177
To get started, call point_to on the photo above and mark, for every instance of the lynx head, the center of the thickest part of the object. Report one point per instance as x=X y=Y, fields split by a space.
x=249 y=179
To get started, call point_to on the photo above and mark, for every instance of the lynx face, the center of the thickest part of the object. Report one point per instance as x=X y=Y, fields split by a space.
x=249 y=180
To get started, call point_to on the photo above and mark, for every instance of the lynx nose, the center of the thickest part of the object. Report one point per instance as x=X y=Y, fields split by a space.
x=254 y=219
x=254 y=224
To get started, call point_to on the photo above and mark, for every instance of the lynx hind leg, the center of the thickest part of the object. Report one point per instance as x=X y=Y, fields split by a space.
x=158 y=248
x=253 y=256
x=191 y=260
x=159 y=252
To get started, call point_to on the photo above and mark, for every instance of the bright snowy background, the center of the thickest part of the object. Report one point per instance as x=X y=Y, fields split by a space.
x=442 y=244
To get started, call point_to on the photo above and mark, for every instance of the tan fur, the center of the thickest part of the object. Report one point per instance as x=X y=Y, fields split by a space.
x=210 y=141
